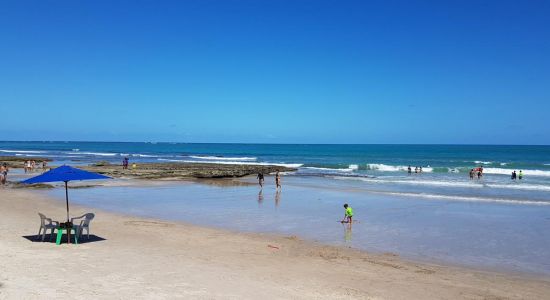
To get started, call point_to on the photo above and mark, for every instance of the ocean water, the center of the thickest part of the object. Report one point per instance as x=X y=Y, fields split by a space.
x=382 y=168
x=534 y=160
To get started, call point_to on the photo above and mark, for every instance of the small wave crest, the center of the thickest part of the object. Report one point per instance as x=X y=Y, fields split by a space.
x=449 y=183
x=142 y=155
x=47 y=155
x=223 y=158
x=321 y=170
x=22 y=151
x=390 y=168
x=233 y=163
x=483 y=162
x=92 y=153
x=468 y=198
x=503 y=171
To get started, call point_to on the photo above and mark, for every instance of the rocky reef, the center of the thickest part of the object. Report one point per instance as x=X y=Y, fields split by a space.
x=162 y=170
x=183 y=170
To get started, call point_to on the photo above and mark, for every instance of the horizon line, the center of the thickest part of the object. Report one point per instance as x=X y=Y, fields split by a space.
x=260 y=143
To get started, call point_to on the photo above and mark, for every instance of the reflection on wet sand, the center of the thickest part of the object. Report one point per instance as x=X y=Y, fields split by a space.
x=260 y=197
x=222 y=182
x=277 y=197
x=347 y=232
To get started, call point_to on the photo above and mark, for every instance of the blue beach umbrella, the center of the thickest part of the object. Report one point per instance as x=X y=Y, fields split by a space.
x=65 y=174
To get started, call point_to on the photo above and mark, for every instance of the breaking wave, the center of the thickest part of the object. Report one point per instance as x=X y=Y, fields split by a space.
x=223 y=158
x=22 y=151
x=389 y=168
x=143 y=155
x=449 y=183
x=223 y=162
x=483 y=162
x=509 y=171
x=92 y=153
x=349 y=169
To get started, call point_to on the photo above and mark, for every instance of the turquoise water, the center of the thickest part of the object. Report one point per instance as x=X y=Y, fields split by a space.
x=379 y=168
x=442 y=158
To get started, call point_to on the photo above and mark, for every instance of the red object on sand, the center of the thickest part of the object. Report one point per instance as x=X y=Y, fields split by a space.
x=274 y=247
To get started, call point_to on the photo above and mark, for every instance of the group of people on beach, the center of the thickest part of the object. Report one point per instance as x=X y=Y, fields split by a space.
x=4 y=173
x=348 y=211
x=416 y=170
x=32 y=165
x=517 y=176
x=260 y=178
x=476 y=172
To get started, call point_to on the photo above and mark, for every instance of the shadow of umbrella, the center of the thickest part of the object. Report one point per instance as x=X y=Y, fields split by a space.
x=35 y=239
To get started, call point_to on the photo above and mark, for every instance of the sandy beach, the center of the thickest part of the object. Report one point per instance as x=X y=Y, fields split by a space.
x=130 y=257
x=275 y=150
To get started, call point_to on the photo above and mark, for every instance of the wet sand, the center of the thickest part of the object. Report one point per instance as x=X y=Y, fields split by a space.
x=130 y=257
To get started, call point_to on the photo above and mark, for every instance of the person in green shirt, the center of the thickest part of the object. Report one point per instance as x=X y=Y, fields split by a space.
x=348 y=214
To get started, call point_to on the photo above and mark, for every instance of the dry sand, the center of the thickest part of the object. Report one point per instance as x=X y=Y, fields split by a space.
x=151 y=259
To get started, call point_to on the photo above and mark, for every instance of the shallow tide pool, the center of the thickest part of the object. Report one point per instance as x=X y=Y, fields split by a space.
x=501 y=236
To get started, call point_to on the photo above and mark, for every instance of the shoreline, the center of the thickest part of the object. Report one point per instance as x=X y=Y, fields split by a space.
x=359 y=274
x=380 y=232
x=377 y=233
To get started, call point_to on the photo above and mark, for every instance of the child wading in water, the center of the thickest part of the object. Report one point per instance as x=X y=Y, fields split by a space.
x=348 y=215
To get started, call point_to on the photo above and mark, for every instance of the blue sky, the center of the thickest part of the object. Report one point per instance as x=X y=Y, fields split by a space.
x=276 y=71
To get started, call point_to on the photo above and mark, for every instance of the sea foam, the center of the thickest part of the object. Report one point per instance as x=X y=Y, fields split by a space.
x=389 y=168
x=449 y=183
x=351 y=168
x=142 y=155
x=483 y=162
x=509 y=171
x=92 y=153
x=233 y=163
x=223 y=158
x=21 y=151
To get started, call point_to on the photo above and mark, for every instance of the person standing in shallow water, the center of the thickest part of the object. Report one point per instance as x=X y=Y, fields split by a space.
x=3 y=173
x=278 y=180
x=348 y=215
x=520 y=175
x=260 y=178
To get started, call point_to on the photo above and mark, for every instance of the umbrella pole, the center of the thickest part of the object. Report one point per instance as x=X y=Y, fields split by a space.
x=67 y=200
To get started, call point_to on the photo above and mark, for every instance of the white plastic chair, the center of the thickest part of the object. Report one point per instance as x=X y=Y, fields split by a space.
x=84 y=224
x=45 y=224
